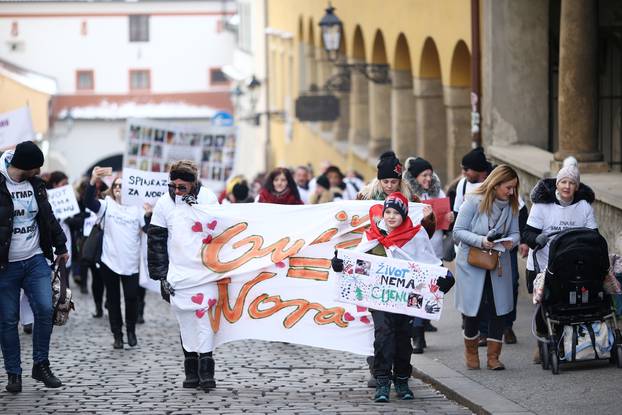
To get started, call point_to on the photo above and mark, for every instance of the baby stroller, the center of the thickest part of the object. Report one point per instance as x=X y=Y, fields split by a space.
x=573 y=296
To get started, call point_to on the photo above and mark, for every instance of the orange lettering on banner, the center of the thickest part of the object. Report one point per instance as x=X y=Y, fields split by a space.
x=348 y=244
x=210 y=252
x=356 y=220
x=325 y=236
x=302 y=267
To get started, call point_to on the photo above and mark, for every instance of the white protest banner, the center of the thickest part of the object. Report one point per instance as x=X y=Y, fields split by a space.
x=15 y=127
x=154 y=145
x=139 y=187
x=63 y=202
x=262 y=271
x=388 y=284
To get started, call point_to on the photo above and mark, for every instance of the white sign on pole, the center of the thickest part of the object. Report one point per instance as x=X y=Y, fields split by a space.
x=63 y=202
x=15 y=127
x=139 y=187
x=388 y=284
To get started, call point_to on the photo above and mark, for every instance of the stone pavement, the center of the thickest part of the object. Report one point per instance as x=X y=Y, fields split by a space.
x=253 y=376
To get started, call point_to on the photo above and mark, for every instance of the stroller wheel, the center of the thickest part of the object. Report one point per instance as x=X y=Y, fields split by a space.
x=554 y=362
x=544 y=355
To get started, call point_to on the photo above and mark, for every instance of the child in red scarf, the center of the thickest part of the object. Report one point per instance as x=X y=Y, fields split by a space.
x=392 y=234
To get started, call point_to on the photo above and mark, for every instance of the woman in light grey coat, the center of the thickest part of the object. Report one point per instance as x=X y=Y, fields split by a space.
x=491 y=209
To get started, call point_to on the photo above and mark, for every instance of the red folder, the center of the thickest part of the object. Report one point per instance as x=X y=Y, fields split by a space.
x=441 y=208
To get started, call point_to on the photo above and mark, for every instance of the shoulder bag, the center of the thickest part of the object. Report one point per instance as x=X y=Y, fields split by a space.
x=92 y=248
x=61 y=295
x=483 y=258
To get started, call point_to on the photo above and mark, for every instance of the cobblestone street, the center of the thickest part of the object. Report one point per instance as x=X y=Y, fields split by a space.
x=252 y=376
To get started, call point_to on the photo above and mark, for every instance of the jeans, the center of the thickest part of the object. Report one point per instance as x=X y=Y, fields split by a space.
x=487 y=311
x=112 y=280
x=33 y=275
x=392 y=348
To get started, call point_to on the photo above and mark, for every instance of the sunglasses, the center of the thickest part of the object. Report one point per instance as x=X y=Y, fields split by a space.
x=116 y=185
x=181 y=187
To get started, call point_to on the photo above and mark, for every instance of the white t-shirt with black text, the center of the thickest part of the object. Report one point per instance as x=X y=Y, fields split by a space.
x=25 y=238
x=551 y=217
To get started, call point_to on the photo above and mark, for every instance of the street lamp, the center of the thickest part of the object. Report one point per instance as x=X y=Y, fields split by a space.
x=253 y=86
x=331 y=28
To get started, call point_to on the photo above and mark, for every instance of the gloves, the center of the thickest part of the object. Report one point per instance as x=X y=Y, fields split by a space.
x=541 y=240
x=445 y=283
x=189 y=199
x=336 y=263
x=166 y=290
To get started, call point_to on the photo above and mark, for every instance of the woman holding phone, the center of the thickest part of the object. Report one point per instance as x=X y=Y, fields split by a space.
x=120 y=259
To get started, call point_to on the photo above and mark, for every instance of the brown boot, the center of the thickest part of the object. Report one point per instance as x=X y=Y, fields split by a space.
x=494 y=350
x=471 y=355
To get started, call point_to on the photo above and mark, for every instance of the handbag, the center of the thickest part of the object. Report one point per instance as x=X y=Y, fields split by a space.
x=61 y=295
x=92 y=247
x=483 y=258
x=449 y=249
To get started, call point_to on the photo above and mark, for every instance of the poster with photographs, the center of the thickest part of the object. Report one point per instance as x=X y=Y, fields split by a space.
x=153 y=145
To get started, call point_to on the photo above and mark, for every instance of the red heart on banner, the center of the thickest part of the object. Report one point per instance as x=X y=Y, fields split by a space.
x=199 y=313
x=207 y=240
x=348 y=317
x=211 y=302
x=280 y=264
x=197 y=227
x=360 y=309
x=365 y=320
x=212 y=225
x=197 y=298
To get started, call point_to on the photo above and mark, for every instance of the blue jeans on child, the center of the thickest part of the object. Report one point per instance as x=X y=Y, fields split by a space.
x=34 y=276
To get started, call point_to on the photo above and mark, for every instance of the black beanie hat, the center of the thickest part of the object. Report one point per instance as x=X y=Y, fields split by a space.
x=475 y=160
x=418 y=165
x=322 y=180
x=27 y=156
x=389 y=166
x=240 y=191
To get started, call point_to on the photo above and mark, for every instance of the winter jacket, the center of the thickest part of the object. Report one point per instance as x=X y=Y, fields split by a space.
x=51 y=234
x=327 y=196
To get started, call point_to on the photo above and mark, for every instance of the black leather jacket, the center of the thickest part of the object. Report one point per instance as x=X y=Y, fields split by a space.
x=51 y=234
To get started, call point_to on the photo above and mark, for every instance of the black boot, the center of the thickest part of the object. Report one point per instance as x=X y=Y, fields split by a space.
x=191 y=369
x=206 y=371
x=131 y=338
x=43 y=373
x=15 y=383
x=418 y=340
x=99 y=312
x=140 y=308
x=118 y=341
x=402 y=389
x=383 y=389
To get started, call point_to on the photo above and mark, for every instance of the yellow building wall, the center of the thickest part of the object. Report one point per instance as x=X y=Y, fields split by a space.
x=446 y=22
x=14 y=95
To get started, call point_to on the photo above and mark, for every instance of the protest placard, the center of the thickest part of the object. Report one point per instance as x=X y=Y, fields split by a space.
x=388 y=284
x=441 y=208
x=63 y=202
x=154 y=145
x=15 y=127
x=139 y=187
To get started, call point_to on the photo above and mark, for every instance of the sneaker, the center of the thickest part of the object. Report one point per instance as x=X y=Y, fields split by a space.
x=429 y=327
x=43 y=373
x=15 y=383
x=508 y=336
x=402 y=389
x=383 y=389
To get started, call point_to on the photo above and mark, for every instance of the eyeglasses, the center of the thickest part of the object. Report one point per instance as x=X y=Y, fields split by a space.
x=181 y=187
x=116 y=185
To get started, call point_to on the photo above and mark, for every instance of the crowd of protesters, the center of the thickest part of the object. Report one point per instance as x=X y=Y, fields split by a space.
x=486 y=209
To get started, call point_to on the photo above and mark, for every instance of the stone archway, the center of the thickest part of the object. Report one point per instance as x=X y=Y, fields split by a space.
x=431 y=123
x=402 y=102
x=358 y=134
x=379 y=103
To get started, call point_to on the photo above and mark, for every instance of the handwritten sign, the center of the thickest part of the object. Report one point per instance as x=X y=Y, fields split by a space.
x=63 y=202
x=441 y=208
x=388 y=284
x=15 y=127
x=139 y=187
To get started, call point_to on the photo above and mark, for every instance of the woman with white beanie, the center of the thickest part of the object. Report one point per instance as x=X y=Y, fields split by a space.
x=559 y=203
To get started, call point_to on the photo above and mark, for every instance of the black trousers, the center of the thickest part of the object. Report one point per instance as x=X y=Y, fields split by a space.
x=113 y=281
x=192 y=354
x=486 y=312
x=392 y=348
x=97 y=282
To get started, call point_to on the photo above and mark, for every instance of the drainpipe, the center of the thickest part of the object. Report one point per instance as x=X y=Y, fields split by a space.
x=476 y=118
x=268 y=148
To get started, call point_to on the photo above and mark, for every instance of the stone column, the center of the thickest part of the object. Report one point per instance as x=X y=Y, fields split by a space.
x=358 y=135
x=431 y=124
x=458 y=112
x=380 y=118
x=577 y=103
x=403 y=110
x=325 y=69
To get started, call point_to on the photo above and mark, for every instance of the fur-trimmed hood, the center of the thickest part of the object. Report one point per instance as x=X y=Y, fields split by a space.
x=433 y=191
x=544 y=192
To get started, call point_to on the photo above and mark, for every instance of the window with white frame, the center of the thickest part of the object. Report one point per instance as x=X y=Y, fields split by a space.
x=85 y=80
x=140 y=79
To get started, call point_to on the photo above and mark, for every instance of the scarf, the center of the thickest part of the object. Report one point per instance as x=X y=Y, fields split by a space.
x=398 y=237
x=284 y=198
x=561 y=201
x=499 y=216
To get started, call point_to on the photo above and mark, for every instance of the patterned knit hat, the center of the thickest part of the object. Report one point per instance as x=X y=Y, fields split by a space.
x=397 y=201
x=569 y=170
